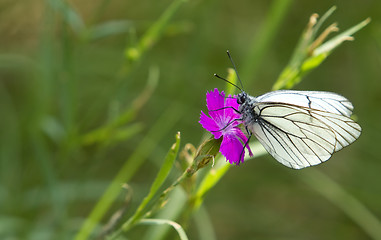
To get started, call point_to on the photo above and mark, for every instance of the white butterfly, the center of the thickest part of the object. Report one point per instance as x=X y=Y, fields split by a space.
x=298 y=128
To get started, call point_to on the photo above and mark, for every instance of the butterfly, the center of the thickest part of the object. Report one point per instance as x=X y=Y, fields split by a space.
x=298 y=128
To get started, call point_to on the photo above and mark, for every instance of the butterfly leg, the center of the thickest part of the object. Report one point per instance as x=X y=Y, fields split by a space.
x=247 y=142
x=228 y=107
x=227 y=125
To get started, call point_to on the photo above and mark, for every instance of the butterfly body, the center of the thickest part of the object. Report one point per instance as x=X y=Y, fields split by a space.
x=247 y=108
x=299 y=128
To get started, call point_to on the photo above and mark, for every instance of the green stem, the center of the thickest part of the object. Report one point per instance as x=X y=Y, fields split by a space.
x=129 y=168
x=136 y=219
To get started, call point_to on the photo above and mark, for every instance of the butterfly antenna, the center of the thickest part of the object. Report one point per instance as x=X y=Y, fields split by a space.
x=217 y=76
x=235 y=69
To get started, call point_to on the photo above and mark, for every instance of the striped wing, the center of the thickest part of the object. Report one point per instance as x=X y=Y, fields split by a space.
x=301 y=129
x=325 y=101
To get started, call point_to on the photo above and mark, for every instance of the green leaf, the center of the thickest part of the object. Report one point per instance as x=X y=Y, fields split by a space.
x=328 y=46
x=232 y=77
x=107 y=29
x=206 y=152
x=106 y=135
x=173 y=224
x=154 y=33
x=209 y=181
x=310 y=51
x=307 y=37
x=289 y=77
x=173 y=209
x=107 y=131
x=131 y=165
x=69 y=15
x=312 y=62
x=215 y=174
x=159 y=180
x=322 y=20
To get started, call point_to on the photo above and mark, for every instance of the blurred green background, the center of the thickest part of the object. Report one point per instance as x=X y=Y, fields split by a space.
x=81 y=85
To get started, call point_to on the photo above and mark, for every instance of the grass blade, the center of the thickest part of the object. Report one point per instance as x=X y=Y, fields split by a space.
x=159 y=180
x=310 y=52
x=69 y=15
x=328 y=46
x=154 y=33
x=173 y=224
x=214 y=175
x=131 y=165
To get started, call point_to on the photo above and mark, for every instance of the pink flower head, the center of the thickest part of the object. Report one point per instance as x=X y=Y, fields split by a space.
x=223 y=121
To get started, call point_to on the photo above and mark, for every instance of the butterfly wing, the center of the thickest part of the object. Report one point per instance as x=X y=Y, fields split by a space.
x=318 y=100
x=301 y=129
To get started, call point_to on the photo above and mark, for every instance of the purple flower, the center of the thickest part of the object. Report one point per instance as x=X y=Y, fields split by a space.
x=223 y=123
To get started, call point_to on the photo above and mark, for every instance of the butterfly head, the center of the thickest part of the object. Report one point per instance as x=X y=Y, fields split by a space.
x=242 y=98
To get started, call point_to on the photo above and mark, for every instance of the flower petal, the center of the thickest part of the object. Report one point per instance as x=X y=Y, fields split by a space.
x=214 y=101
x=232 y=148
x=232 y=102
x=223 y=121
x=210 y=125
x=244 y=139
